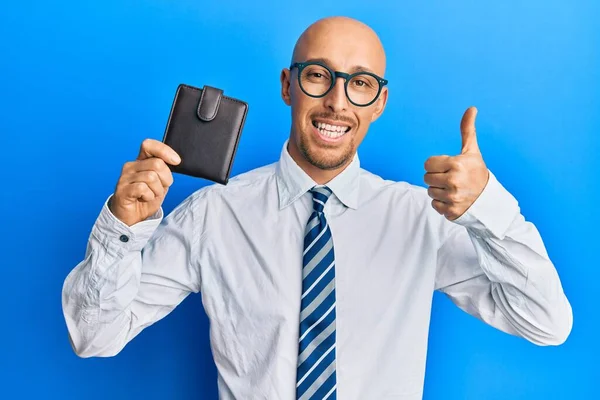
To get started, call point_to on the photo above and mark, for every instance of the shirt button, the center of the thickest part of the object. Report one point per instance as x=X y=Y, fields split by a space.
x=124 y=238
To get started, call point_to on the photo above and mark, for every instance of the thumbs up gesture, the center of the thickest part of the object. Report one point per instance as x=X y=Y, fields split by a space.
x=455 y=182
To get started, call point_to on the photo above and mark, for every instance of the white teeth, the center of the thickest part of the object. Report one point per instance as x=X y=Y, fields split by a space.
x=331 y=131
x=330 y=134
x=331 y=128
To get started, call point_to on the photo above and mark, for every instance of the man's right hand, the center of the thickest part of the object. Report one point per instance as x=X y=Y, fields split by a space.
x=144 y=183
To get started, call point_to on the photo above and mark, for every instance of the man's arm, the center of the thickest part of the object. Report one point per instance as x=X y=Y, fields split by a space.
x=494 y=265
x=130 y=278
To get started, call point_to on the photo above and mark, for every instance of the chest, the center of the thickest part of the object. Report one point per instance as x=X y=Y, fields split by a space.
x=254 y=263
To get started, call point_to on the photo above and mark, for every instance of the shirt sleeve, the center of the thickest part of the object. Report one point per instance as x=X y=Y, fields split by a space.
x=130 y=277
x=494 y=266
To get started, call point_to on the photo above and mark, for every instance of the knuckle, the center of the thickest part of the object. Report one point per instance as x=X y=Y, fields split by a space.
x=122 y=181
x=164 y=169
x=150 y=176
x=453 y=197
x=429 y=163
x=165 y=174
x=127 y=166
x=157 y=164
x=138 y=187
x=128 y=191
x=458 y=164
x=427 y=178
x=452 y=181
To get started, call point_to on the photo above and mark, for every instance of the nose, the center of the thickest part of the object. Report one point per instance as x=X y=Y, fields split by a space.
x=336 y=99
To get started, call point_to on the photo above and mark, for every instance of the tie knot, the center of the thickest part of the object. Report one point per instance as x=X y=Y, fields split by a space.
x=320 y=196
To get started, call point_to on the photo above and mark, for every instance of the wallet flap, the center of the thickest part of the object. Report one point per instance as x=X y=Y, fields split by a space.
x=206 y=149
x=209 y=103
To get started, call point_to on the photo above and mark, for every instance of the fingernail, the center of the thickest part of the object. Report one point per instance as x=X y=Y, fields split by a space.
x=176 y=159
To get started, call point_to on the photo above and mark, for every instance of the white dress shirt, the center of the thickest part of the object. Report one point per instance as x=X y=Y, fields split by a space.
x=240 y=246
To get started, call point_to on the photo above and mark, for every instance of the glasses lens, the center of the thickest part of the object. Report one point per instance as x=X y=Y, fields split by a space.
x=315 y=80
x=363 y=88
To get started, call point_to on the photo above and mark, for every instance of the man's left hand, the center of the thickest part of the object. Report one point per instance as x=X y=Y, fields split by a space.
x=455 y=182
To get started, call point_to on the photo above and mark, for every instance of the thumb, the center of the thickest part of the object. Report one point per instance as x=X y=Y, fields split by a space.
x=467 y=131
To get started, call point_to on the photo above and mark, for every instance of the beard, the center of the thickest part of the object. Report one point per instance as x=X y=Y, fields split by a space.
x=321 y=158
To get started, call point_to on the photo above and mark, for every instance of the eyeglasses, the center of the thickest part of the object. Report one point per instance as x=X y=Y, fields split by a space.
x=317 y=79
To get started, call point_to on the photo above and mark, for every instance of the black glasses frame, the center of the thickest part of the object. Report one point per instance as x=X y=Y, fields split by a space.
x=338 y=74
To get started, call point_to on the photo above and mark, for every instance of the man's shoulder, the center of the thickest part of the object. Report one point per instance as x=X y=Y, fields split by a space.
x=377 y=184
x=251 y=177
x=404 y=195
x=245 y=184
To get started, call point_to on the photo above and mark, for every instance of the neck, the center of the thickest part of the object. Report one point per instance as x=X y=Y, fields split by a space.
x=320 y=176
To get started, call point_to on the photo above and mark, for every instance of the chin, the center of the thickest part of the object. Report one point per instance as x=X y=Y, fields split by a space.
x=326 y=153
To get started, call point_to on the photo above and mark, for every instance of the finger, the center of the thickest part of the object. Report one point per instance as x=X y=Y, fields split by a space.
x=468 y=133
x=151 y=179
x=154 y=148
x=440 y=207
x=436 y=179
x=139 y=190
x=157 y=165
x=438 y=164
x=438 y=194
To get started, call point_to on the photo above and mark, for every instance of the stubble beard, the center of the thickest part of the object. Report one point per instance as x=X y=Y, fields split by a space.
x=323 y=160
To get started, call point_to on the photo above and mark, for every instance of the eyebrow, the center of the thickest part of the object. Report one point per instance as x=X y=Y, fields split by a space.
x=356 y=68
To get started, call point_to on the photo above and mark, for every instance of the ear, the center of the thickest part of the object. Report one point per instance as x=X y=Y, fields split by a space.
x=285 y=86
x=380 y=104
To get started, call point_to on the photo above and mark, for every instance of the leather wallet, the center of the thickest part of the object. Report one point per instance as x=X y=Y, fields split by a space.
x=204 y=128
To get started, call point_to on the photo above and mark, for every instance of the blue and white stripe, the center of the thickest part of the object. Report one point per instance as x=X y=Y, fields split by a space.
x=316 y=378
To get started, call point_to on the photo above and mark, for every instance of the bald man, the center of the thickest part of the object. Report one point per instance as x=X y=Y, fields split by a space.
x=316 y=275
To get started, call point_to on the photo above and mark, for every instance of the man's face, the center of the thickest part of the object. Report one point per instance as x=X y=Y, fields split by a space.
x=328 y=130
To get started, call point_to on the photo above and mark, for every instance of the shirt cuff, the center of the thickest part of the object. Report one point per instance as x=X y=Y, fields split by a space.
x=493 y=211
x=115 y=235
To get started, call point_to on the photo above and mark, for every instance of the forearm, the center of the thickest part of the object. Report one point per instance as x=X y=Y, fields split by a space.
x=99 y=295
x=495 y=266
x=524 y=284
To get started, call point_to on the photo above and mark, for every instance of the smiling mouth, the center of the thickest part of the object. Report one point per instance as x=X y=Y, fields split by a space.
x=331 y=131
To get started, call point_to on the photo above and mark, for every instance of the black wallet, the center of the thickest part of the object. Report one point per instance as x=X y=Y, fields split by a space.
x=204 y=128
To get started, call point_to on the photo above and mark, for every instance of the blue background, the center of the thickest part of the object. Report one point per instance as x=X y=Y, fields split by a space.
x=83 y=83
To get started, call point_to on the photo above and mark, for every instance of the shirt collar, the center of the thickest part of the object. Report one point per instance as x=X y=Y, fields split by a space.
x=293 y=182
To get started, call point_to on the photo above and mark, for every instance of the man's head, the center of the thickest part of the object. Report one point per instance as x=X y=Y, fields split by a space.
x=343 y=45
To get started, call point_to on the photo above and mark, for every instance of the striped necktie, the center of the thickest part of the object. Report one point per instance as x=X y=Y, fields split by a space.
x=316 y=376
